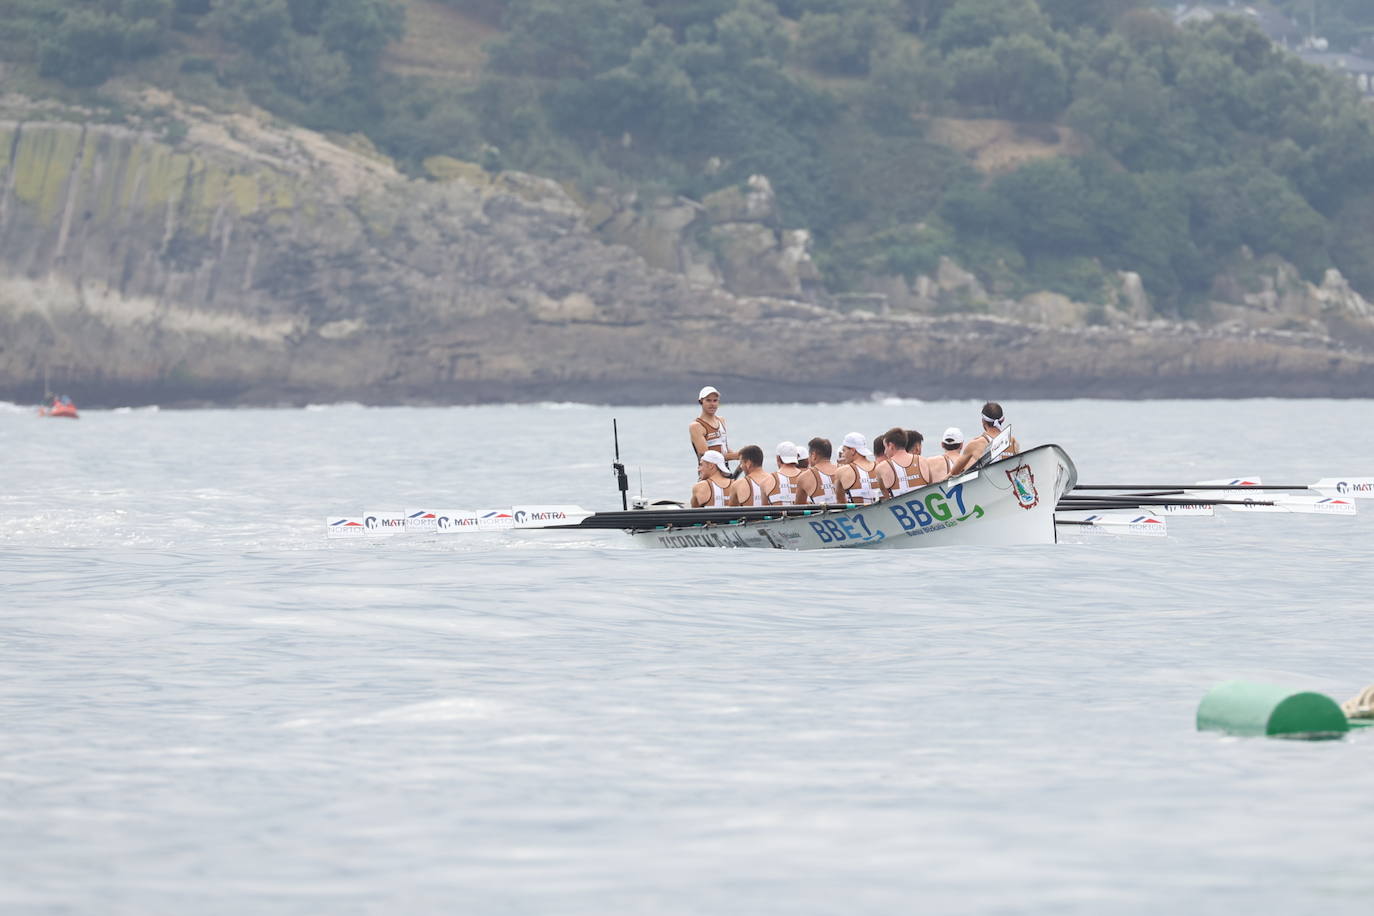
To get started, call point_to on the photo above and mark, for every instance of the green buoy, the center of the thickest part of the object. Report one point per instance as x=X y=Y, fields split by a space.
x=1246 y=708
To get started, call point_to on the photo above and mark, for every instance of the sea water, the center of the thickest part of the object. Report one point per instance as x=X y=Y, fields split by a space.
x=206 y=706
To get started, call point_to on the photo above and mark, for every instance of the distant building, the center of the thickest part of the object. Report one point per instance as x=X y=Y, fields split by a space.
x=1278 y=28
x=1288 y=35
x=1359 y=69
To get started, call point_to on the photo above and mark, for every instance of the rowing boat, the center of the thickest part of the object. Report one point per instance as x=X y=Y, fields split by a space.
x=1007 y=502
x=1028 y=498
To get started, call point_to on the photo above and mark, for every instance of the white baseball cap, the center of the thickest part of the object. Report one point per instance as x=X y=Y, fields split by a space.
x=701 y=396
x=859 y=443
x=803 y=453
x=786 y=452
x=714 y=457
x=952 y=436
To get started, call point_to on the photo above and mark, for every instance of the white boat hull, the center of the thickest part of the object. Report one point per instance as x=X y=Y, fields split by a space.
x=1008 y=502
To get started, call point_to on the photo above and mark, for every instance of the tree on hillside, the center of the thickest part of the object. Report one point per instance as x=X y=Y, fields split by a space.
x=558 y=39
x=1017 y=77
x=973 y=23
x=1099 y=15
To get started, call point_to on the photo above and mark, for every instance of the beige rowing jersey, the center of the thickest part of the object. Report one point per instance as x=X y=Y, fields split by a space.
x=1013 y=447
x=716 y=440
x=826 y=495
x=906 y=478
x=756 y=495
x=865 y=490
x=786 y=493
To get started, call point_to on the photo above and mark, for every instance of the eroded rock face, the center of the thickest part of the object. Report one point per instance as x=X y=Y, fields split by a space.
x=249 y=264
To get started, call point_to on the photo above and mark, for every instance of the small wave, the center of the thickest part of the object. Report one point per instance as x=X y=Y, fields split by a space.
x=150 y=408
x=341 y=405
x=564 y=405
x=7 y=407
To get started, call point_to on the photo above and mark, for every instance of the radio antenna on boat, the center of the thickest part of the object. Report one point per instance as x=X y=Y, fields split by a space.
x=622 y=480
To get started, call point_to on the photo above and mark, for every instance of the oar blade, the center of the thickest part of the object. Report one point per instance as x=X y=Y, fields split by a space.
x=1303 y=505
x=471 y=521
x=548 y=516
x=1199 y=511
x=1346 y=487
x=1124 y=525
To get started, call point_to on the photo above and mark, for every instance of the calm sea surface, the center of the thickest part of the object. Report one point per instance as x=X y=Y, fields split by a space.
x=206 y=707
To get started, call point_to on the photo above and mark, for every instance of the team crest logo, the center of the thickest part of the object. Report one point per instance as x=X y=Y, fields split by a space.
x=1023 y=482
x=1342 y=488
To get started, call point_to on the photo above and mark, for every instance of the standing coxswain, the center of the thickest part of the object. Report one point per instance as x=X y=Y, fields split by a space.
x=858 y=475
x=786 y=474
x=900 y=471
x=817 y=484
x=755 y=486
x=708 y=429
x=994 y=422
x=713 y=486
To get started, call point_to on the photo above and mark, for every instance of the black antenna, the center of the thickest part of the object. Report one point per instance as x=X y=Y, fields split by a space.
x=622 y=479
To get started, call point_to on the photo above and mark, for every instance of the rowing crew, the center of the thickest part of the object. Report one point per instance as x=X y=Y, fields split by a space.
x=813 y=477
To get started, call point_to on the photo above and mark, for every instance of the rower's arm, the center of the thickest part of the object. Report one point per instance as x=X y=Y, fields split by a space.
x=971 y=453
x=887 y=478
x=805 y=487
x=739 y=493
x=701 y=494
x=934 y=470
x=698 y=437
x=843 y=482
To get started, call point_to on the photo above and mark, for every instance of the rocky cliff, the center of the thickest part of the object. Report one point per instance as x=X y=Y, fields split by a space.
x=217 y=258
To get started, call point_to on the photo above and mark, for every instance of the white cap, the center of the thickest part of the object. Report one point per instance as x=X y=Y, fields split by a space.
x=952 y=436
x=714 y=457
x=705 y=391
x=786 y=452
x=859 y=443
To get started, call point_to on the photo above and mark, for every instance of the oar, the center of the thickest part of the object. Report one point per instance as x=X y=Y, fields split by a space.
x=1351 y=487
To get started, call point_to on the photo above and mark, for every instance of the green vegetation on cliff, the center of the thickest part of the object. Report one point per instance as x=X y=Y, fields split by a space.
x=1139 y=146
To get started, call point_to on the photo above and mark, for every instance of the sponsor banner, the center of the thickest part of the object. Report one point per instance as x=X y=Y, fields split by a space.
x=346 y=527
x=1346 y=487
x=547 y=516
x=384 y=523
x=421 y=521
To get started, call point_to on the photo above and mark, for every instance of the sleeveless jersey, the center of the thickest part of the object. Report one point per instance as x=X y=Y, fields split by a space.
x=756 y=495
x=716 y=440
x=786 y=493
x=865 y=490
x=906 y=478
x=826 y=496
x=717 y=496
x=1013 y=447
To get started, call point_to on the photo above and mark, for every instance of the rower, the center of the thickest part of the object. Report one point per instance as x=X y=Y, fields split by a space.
x=933 y=470
x=817 y=485
x=708 y=429
x=900 y=471
x=858 y=476
x=994 y=421
x=713 y=485
x=952 y=442
x=786 y=474
x=755 y=486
